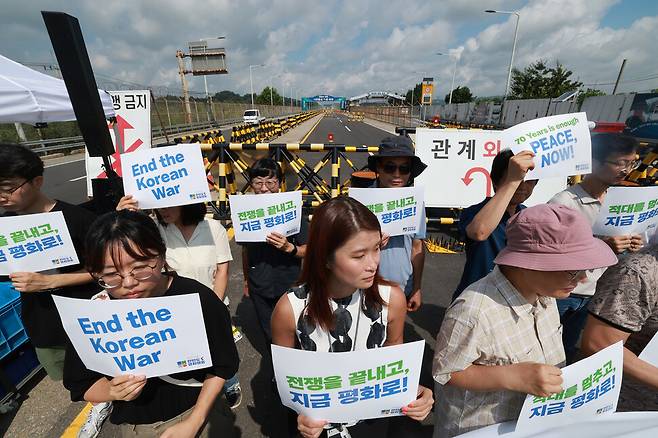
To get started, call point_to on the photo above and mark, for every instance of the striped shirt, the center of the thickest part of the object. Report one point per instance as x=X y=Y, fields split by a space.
x=490 y=323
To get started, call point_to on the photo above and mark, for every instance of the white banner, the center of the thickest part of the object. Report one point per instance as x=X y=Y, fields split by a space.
x=351 y=386
x=165 y=177
x=133 y=113
x=256 y=216
x=459 y=162
x=627 y=210
x=562 y=144
x=591 y=388
x=399 y=210
x=144 y=336
x=35 y=242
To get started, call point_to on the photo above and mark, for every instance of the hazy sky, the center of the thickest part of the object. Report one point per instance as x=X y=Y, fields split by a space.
x=347 y=48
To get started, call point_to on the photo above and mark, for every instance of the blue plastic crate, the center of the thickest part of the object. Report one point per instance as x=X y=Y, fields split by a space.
x=19 y=366
x=12 y=332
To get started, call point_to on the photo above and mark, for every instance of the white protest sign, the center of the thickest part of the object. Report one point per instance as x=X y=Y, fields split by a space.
x=165 y=177
x=627 y=210
x=398 y=210
x=35 y=242
x=350 y=386
x=617 y=425
x=562 y=144
x=133 y=125
x=144 y=336
x=256 y=216
x=459 y=162
x=650 y=352
x=592 y=388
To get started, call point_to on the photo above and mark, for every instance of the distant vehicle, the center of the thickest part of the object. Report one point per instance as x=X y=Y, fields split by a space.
x=252 y=116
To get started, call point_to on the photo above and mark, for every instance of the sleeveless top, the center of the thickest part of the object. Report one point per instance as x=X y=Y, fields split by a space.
x=355 y=328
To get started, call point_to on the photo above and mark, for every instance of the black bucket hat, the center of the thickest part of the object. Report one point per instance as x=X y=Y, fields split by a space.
x=399 y=146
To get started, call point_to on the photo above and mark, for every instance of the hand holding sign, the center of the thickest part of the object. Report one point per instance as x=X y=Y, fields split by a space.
x=519 y=166
x=536 y=379
x=126 y=387
x=166 y=177
x=561 y=144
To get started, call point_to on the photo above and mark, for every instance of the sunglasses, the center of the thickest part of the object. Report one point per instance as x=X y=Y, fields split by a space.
x=390 y=168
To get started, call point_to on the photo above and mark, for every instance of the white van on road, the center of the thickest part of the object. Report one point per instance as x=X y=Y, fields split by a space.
x=252 y=116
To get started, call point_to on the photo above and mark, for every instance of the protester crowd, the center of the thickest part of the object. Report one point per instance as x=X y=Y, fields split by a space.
x=538 y=291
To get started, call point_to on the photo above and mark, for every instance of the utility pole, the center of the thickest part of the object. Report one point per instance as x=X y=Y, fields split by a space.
x=621 y=70
x=186 y=91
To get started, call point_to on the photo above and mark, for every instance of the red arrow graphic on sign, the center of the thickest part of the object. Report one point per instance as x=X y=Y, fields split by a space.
x=467 y=178
x=122 y=125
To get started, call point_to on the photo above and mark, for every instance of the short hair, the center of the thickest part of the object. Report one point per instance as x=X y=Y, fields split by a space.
x=607 y=144
x=19 y=162
x=132 y=231
x=265 y=168
x=500 y=165
x=190 y=214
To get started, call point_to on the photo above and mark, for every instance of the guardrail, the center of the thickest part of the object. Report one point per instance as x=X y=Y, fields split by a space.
x=67 y=143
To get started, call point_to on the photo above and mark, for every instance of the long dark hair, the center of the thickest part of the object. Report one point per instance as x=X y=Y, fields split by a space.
x=132 y=231
x=333 y=224
x=190 y=214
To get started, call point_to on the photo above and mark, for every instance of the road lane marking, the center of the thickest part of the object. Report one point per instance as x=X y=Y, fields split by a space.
x=309 y=132
x=78 y=178
x=77 y=423
x=66 y=162
x=348 y=129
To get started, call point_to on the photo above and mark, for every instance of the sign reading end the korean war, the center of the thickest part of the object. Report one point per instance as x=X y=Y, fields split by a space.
x=591 y=388
x=145 y=336
x=166 y=177
x=350 y=386
x=35 y=242
x=399 y=210
x=256 y=216
x=562 y=144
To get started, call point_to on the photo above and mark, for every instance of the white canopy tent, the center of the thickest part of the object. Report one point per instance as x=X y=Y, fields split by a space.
x=27 y=96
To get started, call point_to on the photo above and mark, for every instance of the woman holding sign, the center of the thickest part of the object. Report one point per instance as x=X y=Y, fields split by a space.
x=342 y=304
x=126 y=254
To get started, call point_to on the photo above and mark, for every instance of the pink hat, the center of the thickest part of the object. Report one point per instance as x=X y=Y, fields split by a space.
x=552 y=237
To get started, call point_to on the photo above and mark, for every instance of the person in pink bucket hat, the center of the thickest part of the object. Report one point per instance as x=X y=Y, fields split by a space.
x=501 y=338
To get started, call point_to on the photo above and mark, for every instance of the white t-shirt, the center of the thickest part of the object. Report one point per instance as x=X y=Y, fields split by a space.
x=576 y=198
x=197 y=258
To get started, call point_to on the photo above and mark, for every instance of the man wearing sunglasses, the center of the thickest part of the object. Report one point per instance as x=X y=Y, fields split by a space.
x=402 y=257
x=21 y=179
x=613 y=157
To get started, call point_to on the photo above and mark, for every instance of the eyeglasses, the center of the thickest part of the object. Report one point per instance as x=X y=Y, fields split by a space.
x=575 y=274
x=9 y=192
x=139 y=273
x=270 y=184
x=624 y=164
x=390 y=168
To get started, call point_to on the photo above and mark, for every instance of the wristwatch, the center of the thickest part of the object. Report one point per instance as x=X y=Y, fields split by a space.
x=293 y=253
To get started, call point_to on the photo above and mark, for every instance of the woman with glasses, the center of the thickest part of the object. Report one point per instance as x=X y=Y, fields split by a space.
x=342 y=303
x=270 y=268
x=127 y=255
x=197 y=248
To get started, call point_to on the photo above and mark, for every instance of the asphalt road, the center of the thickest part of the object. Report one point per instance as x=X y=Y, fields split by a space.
x=65 y=179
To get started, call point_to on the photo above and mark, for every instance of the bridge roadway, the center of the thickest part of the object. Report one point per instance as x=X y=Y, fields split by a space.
x=48 y=412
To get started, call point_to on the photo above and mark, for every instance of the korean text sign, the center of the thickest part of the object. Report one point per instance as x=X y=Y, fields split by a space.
x=130 y=132
x=398 y=209
x=165 y=177
x=591 y=388
x=459 y=162
x=256 y=216
x=350 y=386
x=562 y=144
x=145 y=336
x=35 y=242
x=627 y=210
